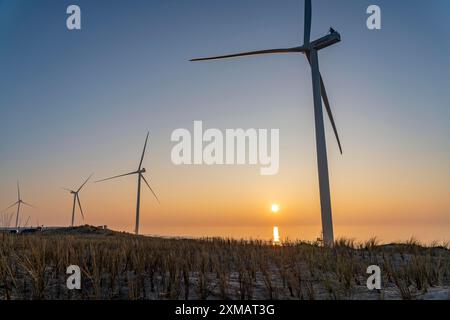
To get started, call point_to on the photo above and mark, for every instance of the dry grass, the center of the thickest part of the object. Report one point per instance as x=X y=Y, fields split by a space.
x=121 y=266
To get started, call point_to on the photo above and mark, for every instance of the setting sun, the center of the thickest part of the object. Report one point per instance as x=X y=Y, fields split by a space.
x=275 y=208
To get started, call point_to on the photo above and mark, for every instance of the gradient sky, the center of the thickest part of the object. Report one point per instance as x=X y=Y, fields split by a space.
x=76 y=102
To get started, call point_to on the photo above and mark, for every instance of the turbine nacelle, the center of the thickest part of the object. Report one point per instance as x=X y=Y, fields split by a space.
x=326 y=41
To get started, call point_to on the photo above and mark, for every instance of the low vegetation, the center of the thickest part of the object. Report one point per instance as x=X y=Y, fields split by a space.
x=123 y=266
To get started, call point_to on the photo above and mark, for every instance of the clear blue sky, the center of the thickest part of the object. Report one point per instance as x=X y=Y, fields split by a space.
x=76 y=102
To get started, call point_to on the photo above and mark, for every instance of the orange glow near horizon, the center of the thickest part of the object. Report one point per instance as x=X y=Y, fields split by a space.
x=212 y=204
x=375 y=192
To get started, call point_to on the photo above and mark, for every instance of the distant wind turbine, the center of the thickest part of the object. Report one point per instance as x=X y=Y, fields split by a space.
x=76 y=198
x=310 y=49
x=18 y=203
x=140 y=173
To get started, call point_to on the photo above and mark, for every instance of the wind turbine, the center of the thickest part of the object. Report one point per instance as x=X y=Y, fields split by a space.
x=18 y=203
x=310 y=50
x=140 y=173
x=76 y=198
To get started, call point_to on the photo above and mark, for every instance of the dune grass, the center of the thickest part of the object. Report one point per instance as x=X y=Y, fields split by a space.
x=122 y=266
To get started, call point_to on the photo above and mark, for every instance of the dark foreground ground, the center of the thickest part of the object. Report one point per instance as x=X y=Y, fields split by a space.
x=122 y=266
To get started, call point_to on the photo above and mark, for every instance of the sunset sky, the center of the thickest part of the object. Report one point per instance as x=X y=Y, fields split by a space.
x=77 y=102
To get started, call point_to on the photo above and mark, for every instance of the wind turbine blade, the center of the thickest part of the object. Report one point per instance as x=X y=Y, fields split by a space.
x=84 y=183
x=18 y=190
x=307 y=31
x=66 y=189
x=328 y=108
x=330 y=114
x=143 y=151
x=121 y=175
x=25 y=225
x=252 y=53
x=79 y=204
x=27 y=204
x=11 y=205
x=148 y=185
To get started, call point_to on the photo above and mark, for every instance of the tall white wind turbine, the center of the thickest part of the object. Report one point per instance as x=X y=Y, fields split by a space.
x=76 y=198
x=310 y=50
x=140 y=175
